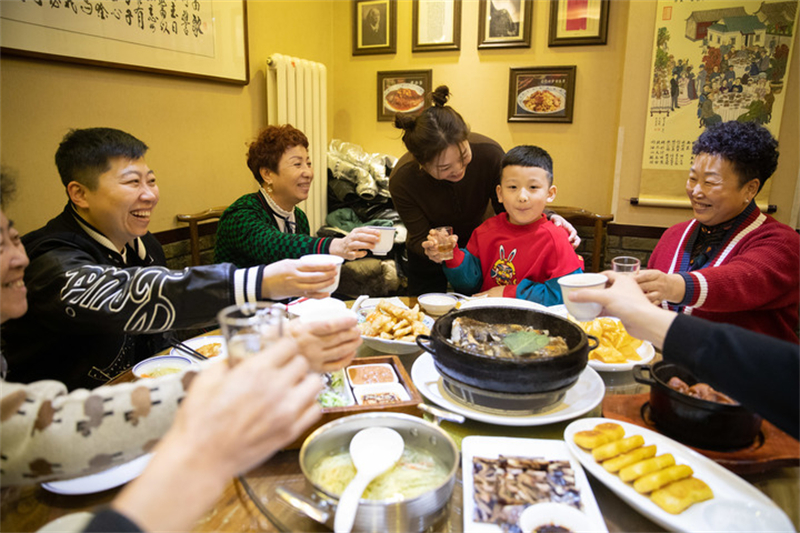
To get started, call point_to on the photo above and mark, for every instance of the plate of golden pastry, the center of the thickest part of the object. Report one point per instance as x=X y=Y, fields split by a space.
x=388 y=326
x=669 y=483
x=617 y=351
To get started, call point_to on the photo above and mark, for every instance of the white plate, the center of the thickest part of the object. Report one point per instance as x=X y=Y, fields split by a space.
x=556 y=91
x=584 y=396
x=383 y=345
x=397 y=86
x=107 y=479
x=736 y=506
x=199 y=342
x=645 y=351
x=492 y=447
x=502 y=302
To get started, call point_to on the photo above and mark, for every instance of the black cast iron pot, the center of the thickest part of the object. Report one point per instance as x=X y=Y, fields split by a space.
x=509 y=375
x=693 y=421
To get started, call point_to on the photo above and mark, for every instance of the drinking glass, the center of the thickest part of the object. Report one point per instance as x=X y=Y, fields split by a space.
x=625 y=264
x=443 y=242
x=250 y=328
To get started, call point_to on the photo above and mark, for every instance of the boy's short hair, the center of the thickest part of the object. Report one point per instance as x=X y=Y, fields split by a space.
x=84 y=154
x=527 y=155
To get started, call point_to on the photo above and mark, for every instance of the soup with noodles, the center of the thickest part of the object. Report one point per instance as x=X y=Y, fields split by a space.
x=416 y=473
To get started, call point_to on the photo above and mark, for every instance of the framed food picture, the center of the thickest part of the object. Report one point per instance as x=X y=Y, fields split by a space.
x=578 y=22
x=541 y=94
x=504 y=23
x=402 y=91
x=374 y=27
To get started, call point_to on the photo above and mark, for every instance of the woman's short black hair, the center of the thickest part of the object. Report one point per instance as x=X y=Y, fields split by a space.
x=750 y=147
x=85 y=154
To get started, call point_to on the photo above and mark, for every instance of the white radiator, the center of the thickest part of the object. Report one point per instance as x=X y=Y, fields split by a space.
x=297 y=95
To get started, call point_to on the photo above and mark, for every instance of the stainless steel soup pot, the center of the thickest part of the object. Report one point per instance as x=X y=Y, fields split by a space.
x=415 y=514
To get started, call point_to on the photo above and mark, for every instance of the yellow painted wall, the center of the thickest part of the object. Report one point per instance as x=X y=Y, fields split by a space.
x=198 y=130
x=583 y=152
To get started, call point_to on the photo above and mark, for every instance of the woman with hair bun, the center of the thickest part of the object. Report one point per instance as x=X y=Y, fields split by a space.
x=447 y=178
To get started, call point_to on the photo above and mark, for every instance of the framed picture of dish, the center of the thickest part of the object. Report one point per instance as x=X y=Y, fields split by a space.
x=402 y=91
x=541 y=94
x=578 y=22
x=505 y=24
x=436 y=25
x=374 y=27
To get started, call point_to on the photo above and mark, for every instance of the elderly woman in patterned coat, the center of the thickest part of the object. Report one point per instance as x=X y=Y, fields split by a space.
x=267 y=226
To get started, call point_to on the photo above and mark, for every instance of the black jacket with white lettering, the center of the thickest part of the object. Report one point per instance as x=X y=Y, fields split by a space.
x=91 y=315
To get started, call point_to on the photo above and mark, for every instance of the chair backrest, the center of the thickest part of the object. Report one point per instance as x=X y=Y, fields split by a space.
x=581 y=217
x=194 y=234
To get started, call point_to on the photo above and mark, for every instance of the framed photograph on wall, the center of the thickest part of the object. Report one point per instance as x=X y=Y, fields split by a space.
x=402 y=91
x=578 y=22
x=201 y=39
x=374 y=27
x=541 y=94
x=437 y=25
x=505 y=24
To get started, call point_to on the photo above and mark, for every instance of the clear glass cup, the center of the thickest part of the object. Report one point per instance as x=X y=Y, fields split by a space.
x=251 y=328
x=625 y=264
x=444 y=244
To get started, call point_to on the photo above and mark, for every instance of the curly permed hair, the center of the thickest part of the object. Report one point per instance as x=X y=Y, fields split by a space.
x=750 y=147
x=266 y=151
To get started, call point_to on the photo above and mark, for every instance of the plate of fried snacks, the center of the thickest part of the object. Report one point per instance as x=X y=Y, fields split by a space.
x=618 y=351
x=389 y=326
x=669 y=483
x=504 y=476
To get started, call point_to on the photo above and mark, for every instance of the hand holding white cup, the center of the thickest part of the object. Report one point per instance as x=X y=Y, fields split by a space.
x=325 y=259
x=386 y=241
x=582 y=311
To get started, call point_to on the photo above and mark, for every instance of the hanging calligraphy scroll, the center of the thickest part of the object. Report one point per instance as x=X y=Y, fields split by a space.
x=713 y=61
x=197 y=38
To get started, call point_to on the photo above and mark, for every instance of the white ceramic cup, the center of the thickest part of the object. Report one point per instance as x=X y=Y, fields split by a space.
x=324 y=315
x=386 y=242
x=582 y=311
x=325 y=259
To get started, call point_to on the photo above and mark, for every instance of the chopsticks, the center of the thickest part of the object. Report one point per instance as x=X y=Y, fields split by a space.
x=181 y=347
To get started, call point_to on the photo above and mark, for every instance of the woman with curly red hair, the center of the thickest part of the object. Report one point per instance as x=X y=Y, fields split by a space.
x=267 y=226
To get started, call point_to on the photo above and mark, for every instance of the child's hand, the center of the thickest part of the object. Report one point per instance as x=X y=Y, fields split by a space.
x=494 y=292
x=431 y=247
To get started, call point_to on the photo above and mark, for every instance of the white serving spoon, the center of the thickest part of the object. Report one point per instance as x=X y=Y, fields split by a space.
x=373 y=451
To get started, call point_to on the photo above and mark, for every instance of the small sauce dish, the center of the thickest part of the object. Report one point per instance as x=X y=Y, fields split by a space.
x=437 y=303
x=552 y=517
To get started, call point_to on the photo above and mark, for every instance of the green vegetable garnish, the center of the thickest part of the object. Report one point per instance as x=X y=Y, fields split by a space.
x=524 y=342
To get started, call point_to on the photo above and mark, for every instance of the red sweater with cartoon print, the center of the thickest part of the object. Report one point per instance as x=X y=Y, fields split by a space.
x=753 y=281
x=527 y=260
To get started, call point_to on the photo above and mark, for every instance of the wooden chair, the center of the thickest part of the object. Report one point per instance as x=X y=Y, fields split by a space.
x=581 y=217
x=194 y=234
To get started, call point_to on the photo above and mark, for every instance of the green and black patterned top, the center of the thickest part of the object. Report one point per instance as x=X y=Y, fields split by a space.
x=248 y=235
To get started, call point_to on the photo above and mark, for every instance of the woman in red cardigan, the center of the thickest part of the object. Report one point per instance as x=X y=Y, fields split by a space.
x=731 y=263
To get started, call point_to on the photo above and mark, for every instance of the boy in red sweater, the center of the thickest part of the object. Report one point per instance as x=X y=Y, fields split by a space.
x=519 y=253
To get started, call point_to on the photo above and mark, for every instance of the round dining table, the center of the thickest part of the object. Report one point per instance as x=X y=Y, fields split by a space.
x=251 y=502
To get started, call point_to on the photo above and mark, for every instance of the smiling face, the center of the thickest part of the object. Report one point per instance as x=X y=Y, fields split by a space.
x=292 y=183
x=123 y=201
x=714 y=190
x=451 y=163
x=13 y=260
x=524 y=192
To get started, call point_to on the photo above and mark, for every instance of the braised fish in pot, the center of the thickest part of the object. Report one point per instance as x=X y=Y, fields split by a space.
x=507 y=341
